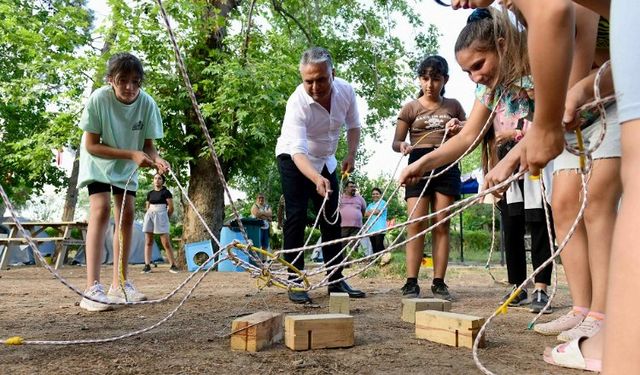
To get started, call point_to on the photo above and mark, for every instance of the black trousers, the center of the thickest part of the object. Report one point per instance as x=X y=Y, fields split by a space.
x=514 y=230
x=297 y=191
x=377 y=242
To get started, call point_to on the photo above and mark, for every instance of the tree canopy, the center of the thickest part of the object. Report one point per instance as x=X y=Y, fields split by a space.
x=42 y=75
x=242 y=58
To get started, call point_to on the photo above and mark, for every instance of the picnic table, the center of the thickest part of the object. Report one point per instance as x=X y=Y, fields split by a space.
x=62 y=239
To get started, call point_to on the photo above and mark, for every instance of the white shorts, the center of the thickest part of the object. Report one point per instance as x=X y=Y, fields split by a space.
x=156 y=220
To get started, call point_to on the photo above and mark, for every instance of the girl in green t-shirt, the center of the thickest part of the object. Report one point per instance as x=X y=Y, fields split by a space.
x=120 y=122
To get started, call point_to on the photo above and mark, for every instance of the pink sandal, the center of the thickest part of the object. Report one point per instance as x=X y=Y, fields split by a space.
x=569 y=355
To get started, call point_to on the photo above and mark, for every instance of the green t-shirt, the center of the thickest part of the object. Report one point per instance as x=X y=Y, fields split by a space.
x=121 y=126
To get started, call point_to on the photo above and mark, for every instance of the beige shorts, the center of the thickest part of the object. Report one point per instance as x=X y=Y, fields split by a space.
x=156 y=220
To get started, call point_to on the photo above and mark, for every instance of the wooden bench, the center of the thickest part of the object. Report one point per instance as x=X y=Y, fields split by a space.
x=35 y=228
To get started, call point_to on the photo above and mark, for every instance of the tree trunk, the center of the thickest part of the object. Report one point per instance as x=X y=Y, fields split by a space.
x=71 y=197
x=206 y=193
x=205 y=187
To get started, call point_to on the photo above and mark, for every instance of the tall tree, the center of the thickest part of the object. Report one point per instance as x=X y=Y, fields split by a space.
x=42 y=80
x=242 y=58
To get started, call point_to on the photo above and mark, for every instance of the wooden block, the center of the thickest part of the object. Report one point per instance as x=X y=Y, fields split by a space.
x=339 y=303
x=304 y=332
x=448 y=328
x=256 y=331
x=410 y=306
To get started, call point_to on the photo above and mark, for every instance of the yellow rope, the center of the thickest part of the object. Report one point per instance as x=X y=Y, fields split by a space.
x=266 y=275
x=581 y=148
x=503 y=308
x=16 y=340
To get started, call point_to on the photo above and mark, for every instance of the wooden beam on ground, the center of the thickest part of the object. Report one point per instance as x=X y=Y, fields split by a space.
x=410 y=306
x=304 y=332
x=448 y=328
x=339 y=303
x=256 y=331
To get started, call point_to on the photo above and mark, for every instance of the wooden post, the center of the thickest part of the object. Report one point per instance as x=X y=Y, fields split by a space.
x=304 y=332
x=256 y=331
x=410 y=306
x=61 y=247
x=339 y=303
x=6 y=255
x=448 y=328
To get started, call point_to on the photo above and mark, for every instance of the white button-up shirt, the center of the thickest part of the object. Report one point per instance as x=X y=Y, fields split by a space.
x=308 y=128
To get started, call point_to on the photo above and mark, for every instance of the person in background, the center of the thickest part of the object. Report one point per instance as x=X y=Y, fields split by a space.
x=159 y=207
x=376 y=214
x=261 y=210
x=352 y=209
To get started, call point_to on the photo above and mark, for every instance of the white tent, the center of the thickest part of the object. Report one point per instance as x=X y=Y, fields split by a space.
x=23 y=254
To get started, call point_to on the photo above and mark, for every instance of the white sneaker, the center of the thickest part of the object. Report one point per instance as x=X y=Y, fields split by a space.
x=561 y=324
x=589 y=327
x=133 y=295
x=96 y=292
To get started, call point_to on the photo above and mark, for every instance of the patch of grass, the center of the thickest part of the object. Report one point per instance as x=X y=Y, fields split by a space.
x=371 y=272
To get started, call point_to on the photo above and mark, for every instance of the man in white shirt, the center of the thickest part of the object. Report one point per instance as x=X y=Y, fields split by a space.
x=315 y=114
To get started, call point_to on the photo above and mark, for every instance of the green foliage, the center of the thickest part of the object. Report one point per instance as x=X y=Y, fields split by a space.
x=42 y=77
x=478 y=217
x=472 y=161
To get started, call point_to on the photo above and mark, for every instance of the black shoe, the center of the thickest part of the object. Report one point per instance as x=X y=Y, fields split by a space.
x=173 y=269
x=441 y=290
x=343 y=287
x=519 y=300
x=539 y=300
x=411 y=290
x=146 y=269
x=299 y=297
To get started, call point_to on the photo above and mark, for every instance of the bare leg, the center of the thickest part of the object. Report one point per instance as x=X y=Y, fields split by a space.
x=127 y=230
x=441 y=235
x=566 y=201
x=99 y=205
x=604 y=193
x=622 y=331
x=148 y=245
x=166 y=243
x=415 y=247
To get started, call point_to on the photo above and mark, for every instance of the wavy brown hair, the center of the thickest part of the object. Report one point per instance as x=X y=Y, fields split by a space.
x=485 y=27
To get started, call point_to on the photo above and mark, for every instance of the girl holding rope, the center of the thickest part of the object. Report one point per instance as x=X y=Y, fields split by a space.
x=587 y=269
x=490 y=50
x=586 y=256
x=424 y=120
x=120 y=122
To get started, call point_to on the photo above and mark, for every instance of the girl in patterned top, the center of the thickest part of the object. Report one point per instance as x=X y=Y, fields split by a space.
x=491 y=51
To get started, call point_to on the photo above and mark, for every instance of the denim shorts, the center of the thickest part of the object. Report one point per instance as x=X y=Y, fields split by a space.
x=609 y=148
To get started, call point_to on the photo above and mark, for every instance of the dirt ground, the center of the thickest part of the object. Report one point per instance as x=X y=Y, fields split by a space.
x=36 y=306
